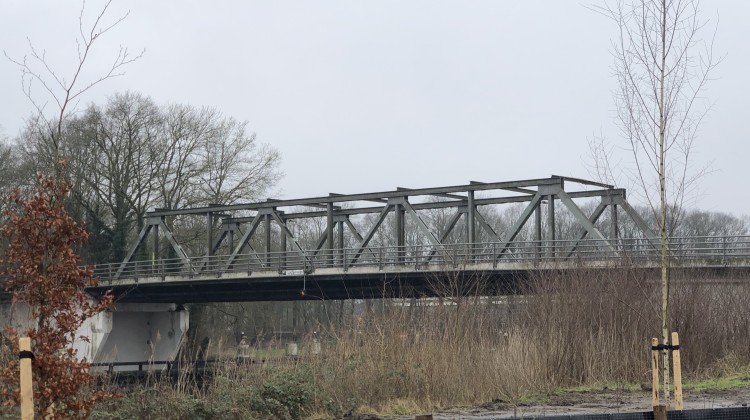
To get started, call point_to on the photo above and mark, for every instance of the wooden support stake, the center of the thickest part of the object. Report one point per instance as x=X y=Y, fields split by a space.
x=677 y=371
x=27 y=390
x=660 y=412
x=654 y=374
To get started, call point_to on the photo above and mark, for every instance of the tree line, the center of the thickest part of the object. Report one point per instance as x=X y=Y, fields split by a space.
x=130 y=155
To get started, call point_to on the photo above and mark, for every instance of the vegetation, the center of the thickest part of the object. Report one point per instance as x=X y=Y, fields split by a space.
x=578 y=331
x=569 y=331
x=42 y=272
x=662 y=68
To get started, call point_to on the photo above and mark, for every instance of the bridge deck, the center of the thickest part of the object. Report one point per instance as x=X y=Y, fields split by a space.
x=396 y=271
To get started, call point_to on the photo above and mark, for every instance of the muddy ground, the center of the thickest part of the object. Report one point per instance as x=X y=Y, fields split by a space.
x=594 y=402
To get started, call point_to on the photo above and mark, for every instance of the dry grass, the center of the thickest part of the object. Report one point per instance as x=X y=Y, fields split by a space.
x=569 y=329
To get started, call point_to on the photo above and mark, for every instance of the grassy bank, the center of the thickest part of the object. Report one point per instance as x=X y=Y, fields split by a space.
x=568 y=331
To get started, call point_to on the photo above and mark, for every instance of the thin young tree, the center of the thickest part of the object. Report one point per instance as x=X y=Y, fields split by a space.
x=662 y=66
x=41 y=269
x=40 y=264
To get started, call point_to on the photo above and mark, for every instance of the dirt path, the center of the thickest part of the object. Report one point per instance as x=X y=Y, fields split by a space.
x=594 y=403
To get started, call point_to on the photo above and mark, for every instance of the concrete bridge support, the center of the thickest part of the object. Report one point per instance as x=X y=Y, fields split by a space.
x=128 y=334
x=138 y=332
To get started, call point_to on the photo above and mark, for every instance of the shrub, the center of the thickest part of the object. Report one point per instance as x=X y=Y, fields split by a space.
x=287 y=396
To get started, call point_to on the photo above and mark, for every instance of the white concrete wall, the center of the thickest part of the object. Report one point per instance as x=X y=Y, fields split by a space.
x=143 y=332
x=126 y=333
x=96 y=329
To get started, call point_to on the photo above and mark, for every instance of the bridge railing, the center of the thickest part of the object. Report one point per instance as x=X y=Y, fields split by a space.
x=700 y=251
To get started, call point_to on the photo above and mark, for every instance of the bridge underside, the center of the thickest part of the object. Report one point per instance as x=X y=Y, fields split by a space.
x=336 y=284
x=321 y=286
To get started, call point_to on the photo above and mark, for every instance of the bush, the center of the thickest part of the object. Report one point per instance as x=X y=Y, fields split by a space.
x=287 y=396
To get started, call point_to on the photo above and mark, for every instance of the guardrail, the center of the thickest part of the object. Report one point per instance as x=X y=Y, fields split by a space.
x=708 y=251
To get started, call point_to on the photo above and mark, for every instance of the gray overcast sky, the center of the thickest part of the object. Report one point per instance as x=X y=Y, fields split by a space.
x=367 y=96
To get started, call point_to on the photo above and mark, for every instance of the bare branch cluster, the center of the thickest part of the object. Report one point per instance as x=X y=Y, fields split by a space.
x=65 y=90
x=682 y=64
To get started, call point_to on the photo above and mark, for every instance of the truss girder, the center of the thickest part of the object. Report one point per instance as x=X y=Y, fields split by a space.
x=336 y=210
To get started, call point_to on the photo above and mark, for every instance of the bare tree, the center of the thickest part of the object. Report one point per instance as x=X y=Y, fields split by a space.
x=235 y=166
x=64 y=90
x=662 y=67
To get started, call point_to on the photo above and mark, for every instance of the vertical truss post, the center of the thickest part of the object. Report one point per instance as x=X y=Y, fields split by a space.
x=209 y=238
x=155 y=256
x=538 y=233
x=329 y=233
x=340 y=244
x=551 y=225
x=470 y=225
x=267 y=235
x=613 y=232
x=230 y=235
x=400 y=234
x=282 y=256
x=210 y=233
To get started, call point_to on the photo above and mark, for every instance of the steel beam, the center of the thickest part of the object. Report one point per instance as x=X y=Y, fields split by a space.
x=141 y=237
x=652 y=237
x=175 y=246
x=598 y=211
x=421 y=224
x=552 y=231
x=400 y=228
x=519 y=224
x=329 y=232
x=470 y=224
x=244 y=240
x=287 y=233
x=486 y=226
x=370 y=233
x=376 y=196
x=431 y=205
x=583 y=220
x=538 y=232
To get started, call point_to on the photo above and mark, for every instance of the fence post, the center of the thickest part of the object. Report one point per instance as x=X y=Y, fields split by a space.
x=654 y=373
x=27 y=389
x=677 y=371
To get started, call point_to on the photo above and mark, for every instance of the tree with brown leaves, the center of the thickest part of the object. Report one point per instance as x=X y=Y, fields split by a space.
x=41 y=269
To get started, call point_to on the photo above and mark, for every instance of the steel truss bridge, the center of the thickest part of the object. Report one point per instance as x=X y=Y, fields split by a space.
x=250 y=252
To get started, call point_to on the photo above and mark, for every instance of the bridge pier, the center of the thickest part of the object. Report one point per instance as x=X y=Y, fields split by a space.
x=128 y=333
x=138 y=332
